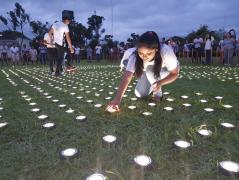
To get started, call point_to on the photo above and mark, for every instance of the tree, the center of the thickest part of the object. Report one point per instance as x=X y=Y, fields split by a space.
x=39 y=29
x=95 y=30
x=133 y=38
x=78 y=33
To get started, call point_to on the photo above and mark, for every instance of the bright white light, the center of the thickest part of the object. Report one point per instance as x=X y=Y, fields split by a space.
x=111 y=110
x=97 y=94
x=182 y=144
x=96 y=177
x=69 y=152
x=230 y=166
x=108 y=98
x=187 y=105
x=152 y=104
x=28 y=99
x=42 y=117
x=45 y=94
x=61 y=105
x=204 y=132
x=0 y=116
x=49 y=97
x=132 y=107
x=203 y=101
x=1 y=99
x=133 y=99
x=32 y=104
x=73 y=93
x=168 y=109
x=79 y=97
x=1 y=108
x=109 y=138
x=227 y=106
x=143 y=160
x=147 y=113
x=89 y=101
x=70 y=111
x=48 y=125
x=80 y=117
x=219 y=97
x=3 y=124
x=55 y=100
x=227 y=125
x=208 y=109
x=198 y=94
x=170 y=99
x=166 y=93
x=98 y=105
x=35 y=110
x=184 y=97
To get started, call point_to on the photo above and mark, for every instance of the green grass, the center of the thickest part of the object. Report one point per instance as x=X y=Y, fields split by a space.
x=30 y=152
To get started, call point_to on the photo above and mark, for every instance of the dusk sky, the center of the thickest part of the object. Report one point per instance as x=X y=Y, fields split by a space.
x=167 y=18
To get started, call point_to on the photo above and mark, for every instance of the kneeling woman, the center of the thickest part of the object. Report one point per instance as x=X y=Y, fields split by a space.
x=153 y=65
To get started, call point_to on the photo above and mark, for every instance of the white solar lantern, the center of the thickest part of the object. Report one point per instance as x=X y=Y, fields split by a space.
x=204 y=132
x=109 y=139
x=46 y=94
x=55 y=100
x=184 y=97
x=199 y=94
x=97 y=94
x=48 y=125
x=147 y=113
x=32 y=104
x=187 y=105
x=1 y=99
x=166 y=93
x=227 y=106
x=227 y=125
x=69 y=153
x=229 y=168
x=96 y=176
x=168 y=109
x=89 y=101
x=209 y=110
x=170 y=99
x=70 y=111
x=61 y=105
x=3 y=125
x=219 y=97
x=203 y=101
x=133 y=99
x=25 y=96
x=0 y=116
x=48 y=97
x=81 y=118
x=1 y=108
x=112 y=110
x=125 y=95
x=36 y=110
x=181 y=144
x=108 y=98
x=98 y=105
x=132 y=107
x=88 y=92
x=143 y=160
x=42 y=117
x=79 y=97
x=110 y=93
x=22 y=92
x=28 y=99
x=151 y=104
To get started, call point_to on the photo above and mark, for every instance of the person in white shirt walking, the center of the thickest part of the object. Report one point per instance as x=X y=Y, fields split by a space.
x=57 y=33
x=15 y=54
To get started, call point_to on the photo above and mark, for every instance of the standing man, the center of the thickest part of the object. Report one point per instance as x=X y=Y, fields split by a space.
x=57 y=33
x=77 y=54
x=51 y=52
x=98 y=52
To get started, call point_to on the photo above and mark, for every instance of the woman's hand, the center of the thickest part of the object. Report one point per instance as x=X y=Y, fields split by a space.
x=157 y=86
x=113 y=106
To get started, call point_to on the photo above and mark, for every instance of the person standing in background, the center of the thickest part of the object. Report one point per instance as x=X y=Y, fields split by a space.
x=228 y=49
x=208 y=49
x=77 y=54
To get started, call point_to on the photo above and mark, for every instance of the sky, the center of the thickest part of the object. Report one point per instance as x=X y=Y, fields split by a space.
x=167 y=18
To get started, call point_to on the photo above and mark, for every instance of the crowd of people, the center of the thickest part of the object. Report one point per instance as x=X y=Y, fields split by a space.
x=201 y=51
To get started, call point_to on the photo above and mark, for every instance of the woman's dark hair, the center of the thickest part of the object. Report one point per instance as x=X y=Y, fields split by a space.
x=149 y=40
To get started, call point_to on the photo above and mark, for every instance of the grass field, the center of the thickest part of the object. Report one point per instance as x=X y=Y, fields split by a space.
x=29 y=151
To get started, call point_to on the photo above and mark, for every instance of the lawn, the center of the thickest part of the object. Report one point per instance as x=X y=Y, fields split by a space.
x=29 y=151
